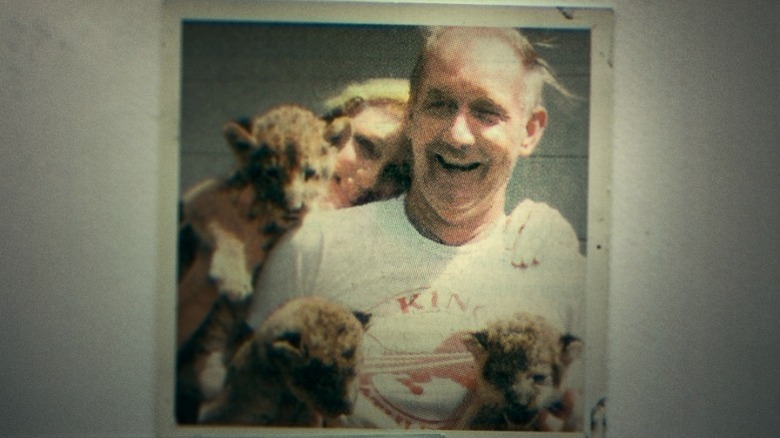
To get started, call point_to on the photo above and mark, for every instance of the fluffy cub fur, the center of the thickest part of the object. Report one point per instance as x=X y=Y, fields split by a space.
x=284 y=164
x=521 y=363
x=228 y=225
x=298 y=369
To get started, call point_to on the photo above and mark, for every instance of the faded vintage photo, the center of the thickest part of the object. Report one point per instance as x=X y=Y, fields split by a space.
x=387 y=226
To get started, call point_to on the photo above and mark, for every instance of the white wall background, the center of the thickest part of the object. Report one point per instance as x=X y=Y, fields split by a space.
x=695 y=298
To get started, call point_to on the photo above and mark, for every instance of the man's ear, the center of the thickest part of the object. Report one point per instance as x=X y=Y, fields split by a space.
x=534 y=129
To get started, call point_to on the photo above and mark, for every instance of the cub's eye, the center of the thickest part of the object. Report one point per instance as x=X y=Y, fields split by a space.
x=542 y=379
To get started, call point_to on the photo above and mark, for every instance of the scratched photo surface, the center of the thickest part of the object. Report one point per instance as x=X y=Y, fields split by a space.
x=411 y=353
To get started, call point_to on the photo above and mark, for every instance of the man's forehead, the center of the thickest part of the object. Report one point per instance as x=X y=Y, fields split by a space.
x=490 y=45
x=432 y=91
x=491 y=53
x=472 y=70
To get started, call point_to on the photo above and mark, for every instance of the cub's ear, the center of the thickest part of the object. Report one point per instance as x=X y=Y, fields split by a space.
x=338 y=131
x=571 y=348
x=476 y=342
x=363 y=317
x=286 y=346
x=239 y=138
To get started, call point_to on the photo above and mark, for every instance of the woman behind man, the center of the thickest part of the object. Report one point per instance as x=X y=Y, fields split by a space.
x=373 y=163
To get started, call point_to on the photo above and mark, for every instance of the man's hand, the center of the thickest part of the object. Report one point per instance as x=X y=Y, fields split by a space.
x=535 y=233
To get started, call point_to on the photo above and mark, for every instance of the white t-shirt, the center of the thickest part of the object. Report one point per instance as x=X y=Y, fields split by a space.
x=422 y=296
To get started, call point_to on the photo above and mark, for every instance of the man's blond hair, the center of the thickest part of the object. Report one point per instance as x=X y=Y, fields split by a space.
x=537 y=72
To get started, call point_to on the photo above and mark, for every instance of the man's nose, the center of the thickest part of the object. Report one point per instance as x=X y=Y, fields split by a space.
x=460 y=134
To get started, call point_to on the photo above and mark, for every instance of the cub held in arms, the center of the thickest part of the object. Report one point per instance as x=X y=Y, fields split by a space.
x=521 y=364
x=285 y=163
x=285 y=160
x=299 y=368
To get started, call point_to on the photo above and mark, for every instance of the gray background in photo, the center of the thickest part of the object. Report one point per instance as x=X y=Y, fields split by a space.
x=233 y=70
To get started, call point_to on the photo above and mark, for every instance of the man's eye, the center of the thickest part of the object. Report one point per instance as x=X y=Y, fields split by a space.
x=439 y=106
x=488 y=116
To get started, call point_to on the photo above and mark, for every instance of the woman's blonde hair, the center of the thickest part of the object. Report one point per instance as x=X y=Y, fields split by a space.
x=389 y=91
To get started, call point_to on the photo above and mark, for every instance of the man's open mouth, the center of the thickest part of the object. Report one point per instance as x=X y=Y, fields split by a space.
x=456 y=167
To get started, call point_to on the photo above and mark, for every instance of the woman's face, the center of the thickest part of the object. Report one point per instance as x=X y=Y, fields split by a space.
x=374 y=142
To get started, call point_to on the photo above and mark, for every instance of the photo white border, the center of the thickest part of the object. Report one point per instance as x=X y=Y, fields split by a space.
x=600 y=23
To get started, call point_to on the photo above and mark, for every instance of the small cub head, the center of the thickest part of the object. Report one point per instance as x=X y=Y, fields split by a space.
x=285 y=154
x=317 y=345
x=522 y=362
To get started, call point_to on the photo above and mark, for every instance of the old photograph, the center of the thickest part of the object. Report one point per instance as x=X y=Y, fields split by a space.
x=384 y=217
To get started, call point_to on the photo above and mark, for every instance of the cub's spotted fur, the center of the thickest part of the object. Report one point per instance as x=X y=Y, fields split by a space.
x=521 y=363
x=285 y=159
x=298 y=369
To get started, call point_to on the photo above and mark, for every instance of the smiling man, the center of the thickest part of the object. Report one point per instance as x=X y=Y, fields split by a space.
x=468 y=125
x=437 y=263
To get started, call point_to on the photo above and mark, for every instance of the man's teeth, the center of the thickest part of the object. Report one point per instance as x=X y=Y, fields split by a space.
x=452 y=166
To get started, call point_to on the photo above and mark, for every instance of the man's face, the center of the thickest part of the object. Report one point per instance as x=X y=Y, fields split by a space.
x=467 y=126
x=374 y=142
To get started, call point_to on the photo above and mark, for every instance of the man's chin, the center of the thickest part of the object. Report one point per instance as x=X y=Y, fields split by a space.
x=474 y=207
x=461 y=210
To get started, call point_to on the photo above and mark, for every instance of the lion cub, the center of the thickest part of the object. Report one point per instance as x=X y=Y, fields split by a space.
x=521 y=363
x=285 y=158
x=298 y=369
x=228 y=225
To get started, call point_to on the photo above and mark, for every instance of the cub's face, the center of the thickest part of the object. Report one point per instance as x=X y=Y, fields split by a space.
x=522 y=363
x=317 y=345
x=284 y=153
x=525 y=385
